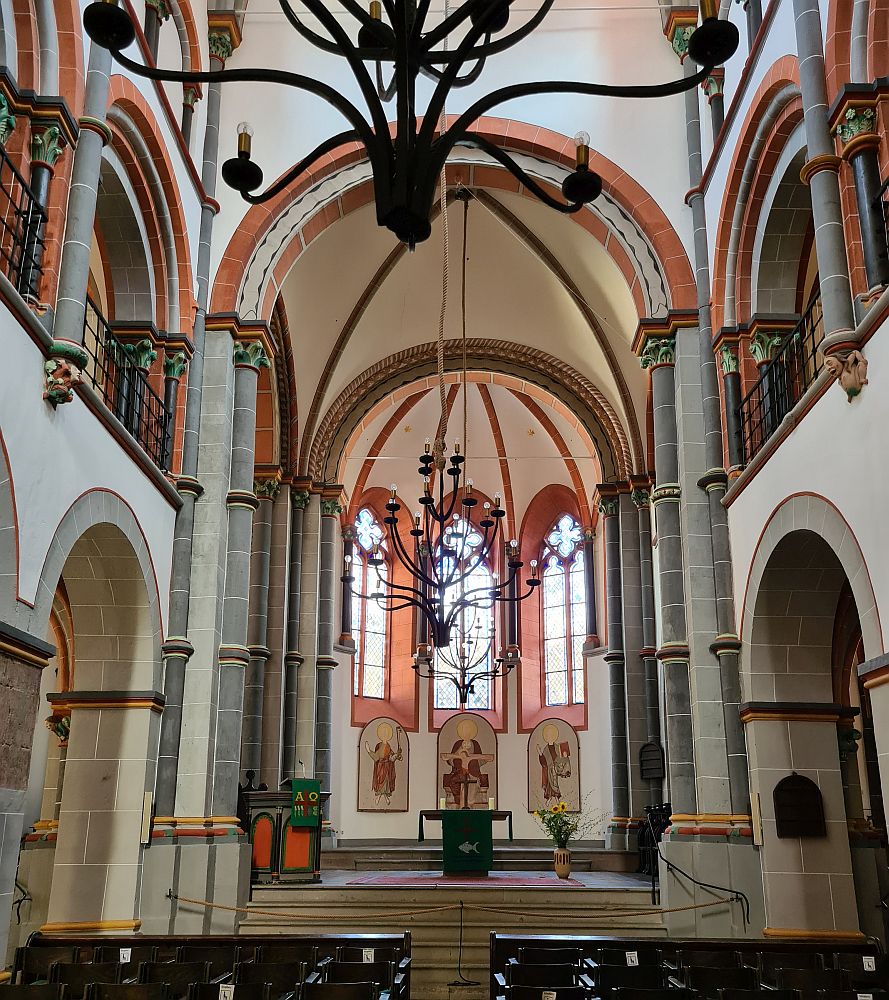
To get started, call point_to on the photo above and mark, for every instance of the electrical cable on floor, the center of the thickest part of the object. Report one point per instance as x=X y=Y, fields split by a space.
x=462 y=981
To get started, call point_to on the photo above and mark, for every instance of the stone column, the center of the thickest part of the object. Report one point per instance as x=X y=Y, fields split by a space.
x=731 y=391
x=821 y=174
x=658 y=354
x=713 y=87
x=110 y=765
x=174 y=369
x=190 y=95
x=753 y=10
x=856 y=130
x=234 y=655
x=156 y=12
x=293 y=658
x=875 y=676
x=346 y=640
x=266 y=491
x=80 y=215
x=47 y=145
x=324 y=659
x=589 y=582
x=609 y=508
x=641 y=497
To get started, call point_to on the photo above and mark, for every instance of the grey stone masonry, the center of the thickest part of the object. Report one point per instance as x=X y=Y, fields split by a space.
x=233 y=653
x=324 y=661
x=642 y=498
x=299 y=499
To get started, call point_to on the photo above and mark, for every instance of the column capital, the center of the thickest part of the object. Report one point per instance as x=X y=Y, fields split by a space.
x=160 y=7
x=662 y=329
x=175 y=365
x=267 y=488
x=728 y=358
x=250 y=355
x=714 y=84
x=224 y=33
x=330 y=507
x=191 y=94
x=679 y=28
x=47 y=143
x=826 y=161
x=7 y=119
x=331 y=500
x=300 y=498
x=607 y=499
x=348 y=533
x=641 y=497
x=141 y=353
x=764 y=345
x=659 y=351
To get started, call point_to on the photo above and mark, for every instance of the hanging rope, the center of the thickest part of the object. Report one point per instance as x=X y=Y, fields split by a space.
x=438 y=447
x=463 y=320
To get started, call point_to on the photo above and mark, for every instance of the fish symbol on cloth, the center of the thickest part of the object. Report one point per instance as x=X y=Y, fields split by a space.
x=468 y=848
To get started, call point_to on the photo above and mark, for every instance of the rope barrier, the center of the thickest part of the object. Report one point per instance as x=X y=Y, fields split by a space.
x=375 y=917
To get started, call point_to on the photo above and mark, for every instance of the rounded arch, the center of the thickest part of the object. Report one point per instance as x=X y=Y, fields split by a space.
x=816 y=515
x=183 y=17
x=534 y=371
x=648 y=236
x=774 y=112
x=9 y=536
x=25 y=44
x=132 y=117
x=112 y=531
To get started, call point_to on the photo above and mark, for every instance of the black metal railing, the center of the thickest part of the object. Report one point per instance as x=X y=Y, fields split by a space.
x=124 y=387
x=22 y=229
x=783 y=381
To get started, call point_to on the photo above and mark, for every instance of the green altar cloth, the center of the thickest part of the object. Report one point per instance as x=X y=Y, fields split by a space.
x=467 y=841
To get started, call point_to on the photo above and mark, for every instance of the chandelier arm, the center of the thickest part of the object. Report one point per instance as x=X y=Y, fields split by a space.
x=355 y=61
x=428 y=70
x=505 y=160
x=409 y=602
x=405 y=559
x=452 y=21
x=483 y=550
x=490 y=48
x=457 y=131
x=419 y=21
x=319 y=41
x=295 y=80
x=328 y=146
x=385 y=93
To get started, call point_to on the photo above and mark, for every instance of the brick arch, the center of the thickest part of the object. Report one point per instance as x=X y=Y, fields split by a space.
x=877 y=39
x=837 y=46
x=9 y=537
x=285 y=375
x=124 y=94
x=27 y=71
x=533 y=372
x=638 y=204
x=784 y=72
x=186 y=16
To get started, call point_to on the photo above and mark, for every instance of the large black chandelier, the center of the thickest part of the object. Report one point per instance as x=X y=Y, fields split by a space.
x=408 y=164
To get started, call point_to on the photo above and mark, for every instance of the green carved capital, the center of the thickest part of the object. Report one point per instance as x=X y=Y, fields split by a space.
x=728 y=358
x=641 y=498
x=855 y=121
x=47 y=145
x=220 y=43
x=331 y=508
x=658 y=351
x=266 y=489
x=681 y=36
x=348 y=533
x=175 y=365
x=160 y=7
x=714 y=85
x=300 y=499
x=608 y=506
x=142 y=353
x=7 y=120
x=764 y=345
x=252 y=354
x=847 y=738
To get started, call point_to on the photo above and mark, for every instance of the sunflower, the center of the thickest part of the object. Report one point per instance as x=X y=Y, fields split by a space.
x=563 y=807
x=555 y=808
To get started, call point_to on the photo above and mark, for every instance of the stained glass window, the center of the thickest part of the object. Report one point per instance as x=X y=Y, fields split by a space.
x=463 y=540
x=369 y=616
x=564 y=613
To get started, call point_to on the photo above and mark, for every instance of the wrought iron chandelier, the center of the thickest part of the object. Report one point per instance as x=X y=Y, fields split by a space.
x=408 y=161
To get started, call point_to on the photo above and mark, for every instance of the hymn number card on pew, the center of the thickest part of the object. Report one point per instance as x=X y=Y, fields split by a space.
x=548 y=995
x=870 y=963
x=126 y=955
x=226 y=991
x=632 y=958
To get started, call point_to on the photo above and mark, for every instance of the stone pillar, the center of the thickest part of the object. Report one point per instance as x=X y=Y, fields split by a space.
x=324 y=658
x=80 y=215
x=753 y=10
x=856 y=129
x=47 y=145
x=174 y=369
x=304 y=758
x=346 y=640
x=875 y=676
x=658 y=354
x=641 y=497
x=266 y=491
x=293 y=658
x=190 y=95
x=589 y=582
x=234 y=655
x=22 y=659
x=156 y=12
x=731 y=391
x=609 y=508
x=821 y=174
x=110 y=765
x=713 y=87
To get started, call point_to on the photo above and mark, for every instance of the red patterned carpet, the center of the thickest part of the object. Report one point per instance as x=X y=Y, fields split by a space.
x=534 y=880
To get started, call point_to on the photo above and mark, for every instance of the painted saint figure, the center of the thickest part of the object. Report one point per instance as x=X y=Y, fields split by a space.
x=555 y=763
x=466 y=784
x=385 y=759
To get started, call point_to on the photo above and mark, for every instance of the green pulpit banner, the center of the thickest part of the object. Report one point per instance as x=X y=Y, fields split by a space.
x=467 y=841
x=306 y=802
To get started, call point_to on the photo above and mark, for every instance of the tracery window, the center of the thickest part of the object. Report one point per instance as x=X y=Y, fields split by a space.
x=369 y=616
x=475 y=624
x=564 y=613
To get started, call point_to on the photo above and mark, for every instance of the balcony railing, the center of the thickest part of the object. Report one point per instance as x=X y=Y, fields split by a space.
x=124 y=388
x=22 y=228
x=783 y=381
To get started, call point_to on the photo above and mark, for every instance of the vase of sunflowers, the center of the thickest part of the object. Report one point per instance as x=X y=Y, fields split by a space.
x=561 y=827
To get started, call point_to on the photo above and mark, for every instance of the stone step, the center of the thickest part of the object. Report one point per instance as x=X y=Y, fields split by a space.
x=436 y=933
x=427 y=857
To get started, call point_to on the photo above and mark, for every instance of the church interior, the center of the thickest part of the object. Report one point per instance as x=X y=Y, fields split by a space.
x=444 y=487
